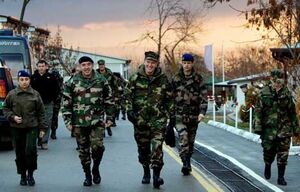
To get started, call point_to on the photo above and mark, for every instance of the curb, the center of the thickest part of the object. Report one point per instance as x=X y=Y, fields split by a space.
x=247 y=135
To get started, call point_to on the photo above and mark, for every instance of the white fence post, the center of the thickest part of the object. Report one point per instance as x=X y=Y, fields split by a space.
x=250 y=119
x=236 y=115
x=224 y=112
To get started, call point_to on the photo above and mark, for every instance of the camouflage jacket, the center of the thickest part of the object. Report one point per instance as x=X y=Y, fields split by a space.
x=275 y=114
x=190 y=97
x=86 y=100
x=150 y=99
x=112 y=81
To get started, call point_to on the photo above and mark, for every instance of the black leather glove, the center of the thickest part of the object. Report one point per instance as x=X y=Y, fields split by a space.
x=131 y=116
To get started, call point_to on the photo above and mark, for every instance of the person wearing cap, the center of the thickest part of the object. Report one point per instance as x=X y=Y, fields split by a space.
x=112 y=81
x=276 y=122
x=47 y=85
x=244 y=88
x=149 y=101
x=87 y=110
x=190 y=100
x=24 y=109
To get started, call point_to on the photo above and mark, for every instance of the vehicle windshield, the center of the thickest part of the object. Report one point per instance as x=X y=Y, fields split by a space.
x=14 y=62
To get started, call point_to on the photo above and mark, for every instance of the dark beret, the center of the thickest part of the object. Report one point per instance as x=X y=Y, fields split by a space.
x=101 y=62
x=243 y=86
x=150 y=55
x=85 y=59
x=187 y=57
x=23 y=73
x=277 y=73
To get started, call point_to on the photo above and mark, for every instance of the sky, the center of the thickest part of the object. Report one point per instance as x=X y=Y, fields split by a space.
x=107 y=26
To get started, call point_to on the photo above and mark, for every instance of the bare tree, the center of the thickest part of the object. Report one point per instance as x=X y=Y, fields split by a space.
x=279 y=16
x=56 y=56
x=176 y=25
x=246 y=61
x=25 y=3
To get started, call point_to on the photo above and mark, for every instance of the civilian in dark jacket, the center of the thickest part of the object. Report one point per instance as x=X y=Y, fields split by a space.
x=48 y=87
x=24 y=109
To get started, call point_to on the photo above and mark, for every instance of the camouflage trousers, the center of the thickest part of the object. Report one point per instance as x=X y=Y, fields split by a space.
x=25 y=148
x=149 y=142
x=279 y=147
x=187 y=135
x=90 y=143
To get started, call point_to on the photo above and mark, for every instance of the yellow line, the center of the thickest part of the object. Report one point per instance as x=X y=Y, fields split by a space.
x=205 y=182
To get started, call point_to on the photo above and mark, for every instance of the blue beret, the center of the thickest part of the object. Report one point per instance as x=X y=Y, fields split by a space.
x=187 y=57
x=85 y=59
x=23 y=73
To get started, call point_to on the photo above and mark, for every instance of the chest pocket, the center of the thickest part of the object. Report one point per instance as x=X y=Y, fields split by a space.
x=267 y=100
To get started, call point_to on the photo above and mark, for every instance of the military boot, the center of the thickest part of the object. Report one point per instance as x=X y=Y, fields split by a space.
x=267 y=172
x=281 y=180
x=157 y=180
x=30 y=179
x=147 y=175
x=109 y=132
x=96 y=173
x=23 y=180
x=88 y=176
x=95 y=169
x=188 y=162
x=185 y=169
x=124 y=117
x=53 y=134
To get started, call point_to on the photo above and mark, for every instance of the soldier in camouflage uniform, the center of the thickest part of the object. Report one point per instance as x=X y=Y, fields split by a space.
x=56 y=104
x=149 y=101
x=119 y=99
x=190 y=95
x=276 y=122
x=107 y=73
x=86 y=98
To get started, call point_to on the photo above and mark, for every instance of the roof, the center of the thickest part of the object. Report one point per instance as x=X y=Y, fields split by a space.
x=248 y=78
x=98 y=55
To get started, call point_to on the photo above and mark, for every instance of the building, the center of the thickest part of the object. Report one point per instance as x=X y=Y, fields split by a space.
x=37 y=37
x=115 y=64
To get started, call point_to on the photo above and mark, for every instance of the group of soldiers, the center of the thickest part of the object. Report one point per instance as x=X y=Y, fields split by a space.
x=91 y=100
x=152 y=102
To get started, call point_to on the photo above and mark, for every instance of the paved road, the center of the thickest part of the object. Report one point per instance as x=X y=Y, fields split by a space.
x=59 y=168
x=248 y=154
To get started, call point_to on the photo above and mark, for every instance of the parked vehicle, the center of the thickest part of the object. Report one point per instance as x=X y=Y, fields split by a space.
x=14 y=56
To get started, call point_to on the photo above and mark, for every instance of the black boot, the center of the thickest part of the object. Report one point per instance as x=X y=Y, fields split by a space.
x=23 y=180
x=88 y=176
x=53 y=134
x=188 y=163
x=157 y=181
x=109 y=132
x=96 y=173
x=147 y=175
x=281 y=180
x=124 y=117
x=267 y=172
x=185 y=169
x=95 y=170
x=30 y=179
